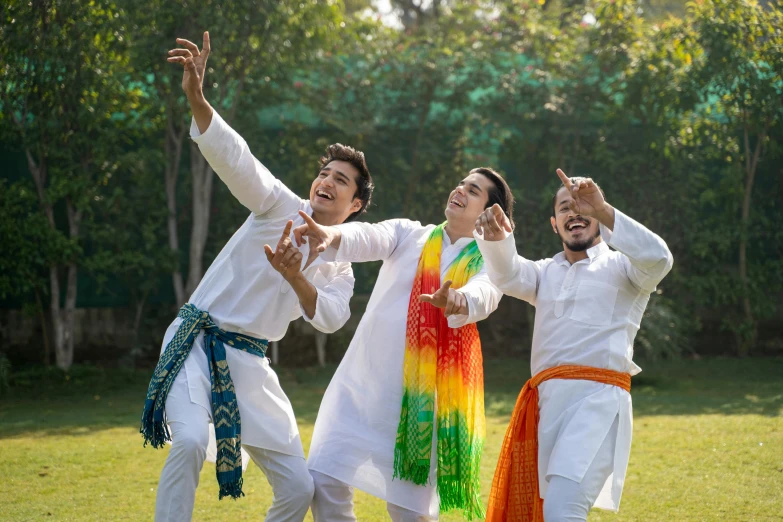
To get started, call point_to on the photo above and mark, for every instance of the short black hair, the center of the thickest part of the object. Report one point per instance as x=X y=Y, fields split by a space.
x=554 y=196
x=500 y=192
x=364 y=184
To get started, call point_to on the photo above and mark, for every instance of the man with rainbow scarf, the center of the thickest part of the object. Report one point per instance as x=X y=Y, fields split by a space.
x=403 y=418
x=568 y=443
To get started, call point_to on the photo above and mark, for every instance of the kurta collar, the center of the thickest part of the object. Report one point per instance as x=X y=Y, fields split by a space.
x=461 y=242
x=597 y=250
x=592 y=253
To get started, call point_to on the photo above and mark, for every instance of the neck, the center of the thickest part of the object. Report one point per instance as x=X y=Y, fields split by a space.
x=326 y=220
x=456 y=232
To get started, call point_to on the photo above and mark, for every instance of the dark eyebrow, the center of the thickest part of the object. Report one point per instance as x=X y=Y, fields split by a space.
x=339 y=173
x=473 y=185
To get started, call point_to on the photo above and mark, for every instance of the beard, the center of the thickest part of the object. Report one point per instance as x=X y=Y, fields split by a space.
x=579 y=245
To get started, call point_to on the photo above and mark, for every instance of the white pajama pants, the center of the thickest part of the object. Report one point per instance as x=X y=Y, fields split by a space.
x=333 y=502
x=292 y=485
x=566 y=500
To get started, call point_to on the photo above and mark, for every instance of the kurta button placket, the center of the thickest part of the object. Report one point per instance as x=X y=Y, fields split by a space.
x=565 y=290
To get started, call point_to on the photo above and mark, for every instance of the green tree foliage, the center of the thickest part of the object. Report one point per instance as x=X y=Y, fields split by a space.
x=257 y=46
x=675 y=112
x=62 y=85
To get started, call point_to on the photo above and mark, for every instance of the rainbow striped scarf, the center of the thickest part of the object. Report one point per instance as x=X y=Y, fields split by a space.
x=444 y=363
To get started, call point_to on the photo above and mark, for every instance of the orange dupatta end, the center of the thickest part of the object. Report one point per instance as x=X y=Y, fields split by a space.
x=514 y=496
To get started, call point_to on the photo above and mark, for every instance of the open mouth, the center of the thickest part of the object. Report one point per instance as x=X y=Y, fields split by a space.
x=456 y=202
x=323 y=194
x=576 y=225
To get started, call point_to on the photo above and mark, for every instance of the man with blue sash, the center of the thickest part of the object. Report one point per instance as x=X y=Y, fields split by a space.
x=213 y=367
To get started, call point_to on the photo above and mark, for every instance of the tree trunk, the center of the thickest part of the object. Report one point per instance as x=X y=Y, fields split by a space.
x=47 y=355
x=57 y=319
x=320 y=347
x=747 y=339
x=203 y=177
x=68 y=313
x=173 y=151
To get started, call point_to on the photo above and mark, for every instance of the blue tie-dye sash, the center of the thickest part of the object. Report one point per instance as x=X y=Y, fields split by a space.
x=225 y=412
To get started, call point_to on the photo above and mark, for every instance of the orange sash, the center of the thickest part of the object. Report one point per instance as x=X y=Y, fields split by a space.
x=514 y=496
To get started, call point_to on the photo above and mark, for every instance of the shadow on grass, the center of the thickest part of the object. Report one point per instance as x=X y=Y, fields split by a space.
x=51 y=404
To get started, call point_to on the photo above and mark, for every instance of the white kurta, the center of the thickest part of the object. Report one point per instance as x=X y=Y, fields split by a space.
x=355 y=432
x=588 y=314
x=244 y=294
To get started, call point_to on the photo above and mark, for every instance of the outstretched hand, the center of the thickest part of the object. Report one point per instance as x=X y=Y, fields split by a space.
x=492 y=222
x=586 y=197
x=194 y=63
x=286 y=258
x=318 y=237
x=453 y=302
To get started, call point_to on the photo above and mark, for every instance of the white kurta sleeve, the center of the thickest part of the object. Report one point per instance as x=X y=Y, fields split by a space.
x=247 y=179
x=372 y=242
x=332 y=304
x=511 y=273
x=647 y=258
x=483 y=298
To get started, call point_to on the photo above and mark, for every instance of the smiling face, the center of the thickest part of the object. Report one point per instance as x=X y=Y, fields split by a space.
x=577 y=232
x=468 y=201
x=333 y=192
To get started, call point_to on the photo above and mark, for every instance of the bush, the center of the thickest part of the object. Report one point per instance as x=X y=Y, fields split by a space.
x=5 y=373
x=664 y=332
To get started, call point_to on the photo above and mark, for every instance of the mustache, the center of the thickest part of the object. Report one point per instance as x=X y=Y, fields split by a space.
x=577 y=220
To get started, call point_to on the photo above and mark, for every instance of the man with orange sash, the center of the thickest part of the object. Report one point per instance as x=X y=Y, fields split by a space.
x=568 y=443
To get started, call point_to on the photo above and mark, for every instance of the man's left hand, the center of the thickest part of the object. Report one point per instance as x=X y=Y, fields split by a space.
x=286 y=258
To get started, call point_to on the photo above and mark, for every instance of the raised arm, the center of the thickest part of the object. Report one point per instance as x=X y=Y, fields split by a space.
x=511 y=273
x=352 y=242
x=647 y=258
x=225 y=150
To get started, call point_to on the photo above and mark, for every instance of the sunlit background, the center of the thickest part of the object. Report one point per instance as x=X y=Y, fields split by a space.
x=109 y=216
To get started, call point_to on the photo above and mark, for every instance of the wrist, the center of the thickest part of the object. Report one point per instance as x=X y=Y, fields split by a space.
x=606 y=214
x=196 y=97
x=296 y=279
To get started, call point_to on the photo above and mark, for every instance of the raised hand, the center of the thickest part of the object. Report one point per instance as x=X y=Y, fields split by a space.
x=492 y=222
x=286 y=258
x=194 y=63
x=587 y=199
x=318 y=237
x=453 y=302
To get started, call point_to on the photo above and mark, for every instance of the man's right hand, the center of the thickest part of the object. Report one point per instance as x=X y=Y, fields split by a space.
x=492 y=222
x=194 y=63
x=319 y=237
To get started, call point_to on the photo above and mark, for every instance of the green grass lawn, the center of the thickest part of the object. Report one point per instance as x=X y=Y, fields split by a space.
x=708 y=445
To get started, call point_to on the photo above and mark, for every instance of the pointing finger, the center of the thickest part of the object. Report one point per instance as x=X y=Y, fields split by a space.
x=310 y=221
x=427 y=298
x=285 y=234
x=566 y=181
